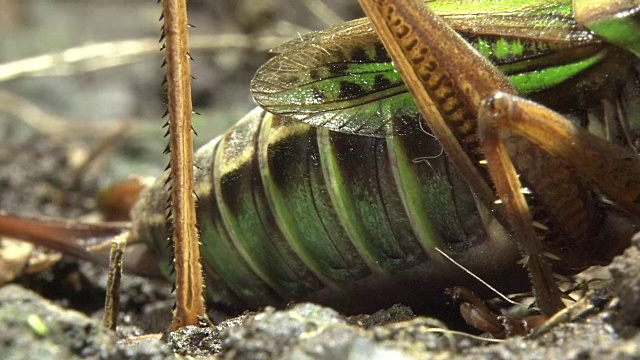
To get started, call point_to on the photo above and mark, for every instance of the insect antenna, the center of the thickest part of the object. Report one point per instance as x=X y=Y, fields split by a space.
x=486 y=284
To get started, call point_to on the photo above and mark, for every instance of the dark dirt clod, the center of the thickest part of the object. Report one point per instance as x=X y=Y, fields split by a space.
x=396 y=313
x=201 y=341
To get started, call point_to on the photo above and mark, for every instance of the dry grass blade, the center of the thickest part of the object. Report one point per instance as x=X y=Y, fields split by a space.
x=93 y=57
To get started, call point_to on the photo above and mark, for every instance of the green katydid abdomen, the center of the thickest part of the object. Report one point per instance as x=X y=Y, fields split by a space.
x=292 y=212
x=288 y=211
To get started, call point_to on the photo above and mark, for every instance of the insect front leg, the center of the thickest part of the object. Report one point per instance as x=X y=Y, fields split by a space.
x=476 y=313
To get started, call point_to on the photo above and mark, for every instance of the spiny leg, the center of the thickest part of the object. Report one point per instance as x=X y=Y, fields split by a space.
x=509 y=188
x=446 y=77
x=448 y=90
x=612 y=170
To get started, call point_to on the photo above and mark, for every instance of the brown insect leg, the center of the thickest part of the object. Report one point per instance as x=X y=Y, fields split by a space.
x=508 y=186
x=611 y=169
x=477 y=314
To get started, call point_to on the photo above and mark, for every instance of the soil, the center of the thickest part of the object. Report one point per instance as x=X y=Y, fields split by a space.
x=34 y=327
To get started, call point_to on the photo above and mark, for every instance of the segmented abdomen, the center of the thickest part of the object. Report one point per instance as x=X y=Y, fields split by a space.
x=287 y=211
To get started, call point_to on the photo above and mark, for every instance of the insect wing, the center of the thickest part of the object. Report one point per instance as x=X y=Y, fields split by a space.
x=343 y=79
x=348 y=86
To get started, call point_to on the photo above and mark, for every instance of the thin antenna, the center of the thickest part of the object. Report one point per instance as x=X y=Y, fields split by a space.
x=478 y=278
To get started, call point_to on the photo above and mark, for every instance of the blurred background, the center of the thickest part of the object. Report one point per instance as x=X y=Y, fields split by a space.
x=80 y=86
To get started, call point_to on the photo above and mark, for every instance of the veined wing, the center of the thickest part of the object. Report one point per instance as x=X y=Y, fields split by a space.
x=324 y=80
x=343 y=79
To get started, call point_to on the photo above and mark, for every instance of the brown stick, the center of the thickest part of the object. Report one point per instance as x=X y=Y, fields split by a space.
x=189 y=283
x=112 y=302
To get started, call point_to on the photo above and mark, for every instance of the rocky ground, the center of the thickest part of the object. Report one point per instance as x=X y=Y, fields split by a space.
x=34 y=327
